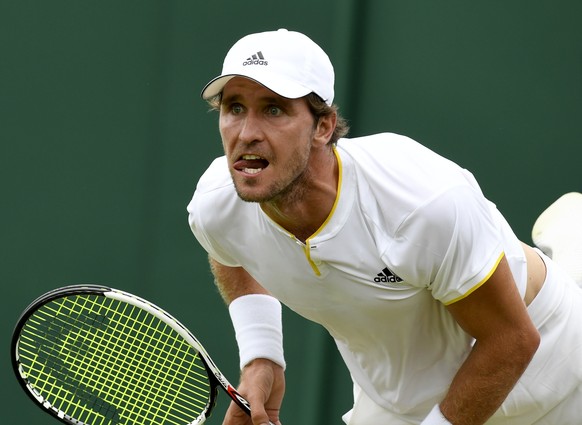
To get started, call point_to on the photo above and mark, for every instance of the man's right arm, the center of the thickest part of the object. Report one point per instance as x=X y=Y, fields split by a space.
x=256 y=318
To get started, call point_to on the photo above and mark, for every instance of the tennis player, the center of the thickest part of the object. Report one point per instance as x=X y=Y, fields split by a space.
x=440 y=313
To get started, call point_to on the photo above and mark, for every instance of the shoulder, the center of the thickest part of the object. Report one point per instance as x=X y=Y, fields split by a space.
x=215 y=177
x=214 y=198
x=381 y=143
x=402 y=172
x=388 y=151
x=215 y=210
x=215 y=188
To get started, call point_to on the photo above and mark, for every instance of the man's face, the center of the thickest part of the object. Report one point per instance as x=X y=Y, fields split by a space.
x=267 y=140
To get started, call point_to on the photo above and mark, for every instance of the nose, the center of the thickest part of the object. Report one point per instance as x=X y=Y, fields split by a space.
x=251 y=128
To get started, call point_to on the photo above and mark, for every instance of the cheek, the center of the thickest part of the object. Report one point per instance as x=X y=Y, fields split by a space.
x=226 y=132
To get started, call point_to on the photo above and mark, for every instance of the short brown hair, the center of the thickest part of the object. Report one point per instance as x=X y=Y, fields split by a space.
x=320 y=109
x=317 y=107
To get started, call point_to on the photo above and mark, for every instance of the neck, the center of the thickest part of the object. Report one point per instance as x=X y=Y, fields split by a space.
x=304 y=208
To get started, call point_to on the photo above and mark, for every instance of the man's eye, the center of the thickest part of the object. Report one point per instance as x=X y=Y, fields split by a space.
x=236 y=108
x=274 y=110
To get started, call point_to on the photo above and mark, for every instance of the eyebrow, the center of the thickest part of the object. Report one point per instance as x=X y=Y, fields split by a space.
x=229 y=99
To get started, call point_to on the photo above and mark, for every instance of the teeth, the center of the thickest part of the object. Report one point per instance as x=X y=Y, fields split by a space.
x=252 y=170
x=251 y=157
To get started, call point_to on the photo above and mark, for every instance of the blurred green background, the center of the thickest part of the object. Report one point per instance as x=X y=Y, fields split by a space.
x=103 y=137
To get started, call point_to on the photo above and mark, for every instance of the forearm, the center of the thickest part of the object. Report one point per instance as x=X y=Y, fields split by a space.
x=506 y=340
x=485 y=379
x=255 y=314
x=257 y=320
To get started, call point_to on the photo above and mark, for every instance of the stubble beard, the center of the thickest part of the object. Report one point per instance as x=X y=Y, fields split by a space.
x=288 y=189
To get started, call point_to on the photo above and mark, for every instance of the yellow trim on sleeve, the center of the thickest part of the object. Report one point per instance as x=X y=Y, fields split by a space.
x=474 y=288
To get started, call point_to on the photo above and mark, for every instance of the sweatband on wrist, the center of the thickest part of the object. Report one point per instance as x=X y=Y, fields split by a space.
x=257 y=321
x=435 y=417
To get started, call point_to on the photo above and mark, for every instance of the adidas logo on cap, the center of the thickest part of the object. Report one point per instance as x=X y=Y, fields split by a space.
x=256 y=59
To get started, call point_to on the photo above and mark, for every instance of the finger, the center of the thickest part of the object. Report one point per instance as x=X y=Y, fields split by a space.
x=259 y=414
x=235 y=416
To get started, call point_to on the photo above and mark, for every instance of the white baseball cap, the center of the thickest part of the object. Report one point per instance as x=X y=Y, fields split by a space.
x=287 y=62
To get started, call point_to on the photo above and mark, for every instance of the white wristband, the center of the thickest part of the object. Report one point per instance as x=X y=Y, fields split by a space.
x=435 y=417
x=258 y=327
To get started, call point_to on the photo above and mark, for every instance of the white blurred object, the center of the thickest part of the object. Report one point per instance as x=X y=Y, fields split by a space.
x=558 y=233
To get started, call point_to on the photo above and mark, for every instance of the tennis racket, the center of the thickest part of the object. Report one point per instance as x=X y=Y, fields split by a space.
x=94 y=355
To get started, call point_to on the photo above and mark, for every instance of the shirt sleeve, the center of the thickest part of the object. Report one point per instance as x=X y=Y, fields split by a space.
x=450 y=245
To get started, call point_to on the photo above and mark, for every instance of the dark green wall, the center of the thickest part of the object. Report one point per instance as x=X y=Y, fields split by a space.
x=102 y=139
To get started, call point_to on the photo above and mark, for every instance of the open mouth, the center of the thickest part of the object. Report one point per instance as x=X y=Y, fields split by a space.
x=251 y=164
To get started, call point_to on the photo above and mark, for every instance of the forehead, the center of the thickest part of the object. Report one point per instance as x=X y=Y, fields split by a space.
x=241 y=88
x=244 y=84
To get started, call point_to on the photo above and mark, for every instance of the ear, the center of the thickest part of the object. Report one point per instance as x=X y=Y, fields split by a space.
x=325 y=128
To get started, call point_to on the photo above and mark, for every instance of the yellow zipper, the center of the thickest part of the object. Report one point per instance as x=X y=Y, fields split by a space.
x=307 y=249
x=307 y=246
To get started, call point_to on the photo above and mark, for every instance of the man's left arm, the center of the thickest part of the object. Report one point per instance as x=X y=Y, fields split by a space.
x=506 y=340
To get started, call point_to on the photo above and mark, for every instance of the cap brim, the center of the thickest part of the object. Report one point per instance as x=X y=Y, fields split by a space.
x=215 y=86
x=288 y=89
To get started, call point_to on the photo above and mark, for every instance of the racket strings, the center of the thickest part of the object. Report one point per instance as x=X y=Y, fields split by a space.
x=89 y=369
x=111 y=362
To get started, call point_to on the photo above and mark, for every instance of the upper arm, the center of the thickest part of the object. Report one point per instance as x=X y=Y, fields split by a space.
x=455 y=241
x=233 y=282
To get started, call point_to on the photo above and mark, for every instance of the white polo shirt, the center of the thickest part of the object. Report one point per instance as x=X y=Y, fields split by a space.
x=409 y=232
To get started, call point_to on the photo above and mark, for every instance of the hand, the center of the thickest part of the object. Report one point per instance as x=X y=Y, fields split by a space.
x=262 y=383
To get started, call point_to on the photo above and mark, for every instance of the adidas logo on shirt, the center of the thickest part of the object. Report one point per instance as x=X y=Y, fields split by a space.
x=256 y=59
x=386 y=275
